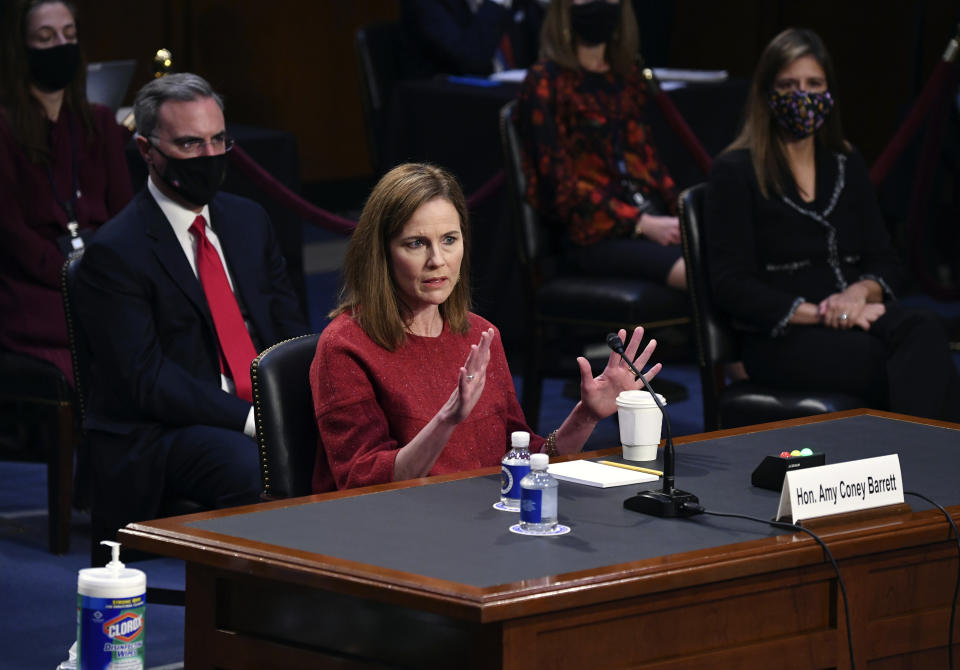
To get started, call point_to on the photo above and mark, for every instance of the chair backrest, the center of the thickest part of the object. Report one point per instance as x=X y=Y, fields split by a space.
x=535 y=241
x=283 y=410
x=380 y=55
x=79 y=350
x=716 y=341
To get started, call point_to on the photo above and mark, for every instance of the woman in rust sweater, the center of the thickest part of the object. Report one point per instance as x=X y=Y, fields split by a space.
x=406 y=381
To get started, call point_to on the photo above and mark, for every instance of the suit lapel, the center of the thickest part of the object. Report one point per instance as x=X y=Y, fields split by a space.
x=168 y=251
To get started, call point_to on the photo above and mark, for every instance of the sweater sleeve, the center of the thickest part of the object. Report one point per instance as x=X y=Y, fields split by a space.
x=590 y=205
x=354 y=429
x=731 y=220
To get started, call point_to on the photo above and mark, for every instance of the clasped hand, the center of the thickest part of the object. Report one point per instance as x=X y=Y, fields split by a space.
x=664 y=230
x=850 y=308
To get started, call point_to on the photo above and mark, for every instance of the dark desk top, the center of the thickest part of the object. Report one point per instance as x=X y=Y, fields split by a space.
x=449 y=531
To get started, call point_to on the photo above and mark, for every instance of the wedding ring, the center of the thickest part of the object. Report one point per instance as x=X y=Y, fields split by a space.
x=843 y=317
x=470 y=378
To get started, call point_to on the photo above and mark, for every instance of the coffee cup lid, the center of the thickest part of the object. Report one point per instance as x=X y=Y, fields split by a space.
x=638 y=398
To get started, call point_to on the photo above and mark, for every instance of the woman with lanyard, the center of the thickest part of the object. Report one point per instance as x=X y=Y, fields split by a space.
x=588 y=155
x=62 y=174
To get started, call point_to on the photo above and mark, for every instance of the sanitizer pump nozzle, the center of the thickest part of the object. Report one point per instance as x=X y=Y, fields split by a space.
x=114 y=563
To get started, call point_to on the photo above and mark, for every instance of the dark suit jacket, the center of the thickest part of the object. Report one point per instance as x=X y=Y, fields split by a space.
x=448 y=38
x=154 y=348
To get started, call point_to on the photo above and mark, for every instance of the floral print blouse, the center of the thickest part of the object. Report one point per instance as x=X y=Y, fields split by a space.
x=587 y=149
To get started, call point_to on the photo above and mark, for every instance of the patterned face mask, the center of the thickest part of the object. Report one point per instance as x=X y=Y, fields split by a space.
x=800 y=112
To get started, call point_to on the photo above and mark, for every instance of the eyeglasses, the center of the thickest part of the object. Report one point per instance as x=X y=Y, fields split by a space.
x=194 y=145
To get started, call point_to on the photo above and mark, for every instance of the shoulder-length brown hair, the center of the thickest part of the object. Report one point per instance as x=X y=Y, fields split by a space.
x=370 y=294
x=761 y=133
x=25 y=113
x=558 y=43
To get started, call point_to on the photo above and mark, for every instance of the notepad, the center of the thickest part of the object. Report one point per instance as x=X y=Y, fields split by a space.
x=596 y=474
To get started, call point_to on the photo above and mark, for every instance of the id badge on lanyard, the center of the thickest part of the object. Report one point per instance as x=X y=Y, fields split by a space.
x=69 y=207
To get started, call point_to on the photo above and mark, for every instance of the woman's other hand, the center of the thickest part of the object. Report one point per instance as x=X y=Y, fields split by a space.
x=664 y=230
x=599 y=394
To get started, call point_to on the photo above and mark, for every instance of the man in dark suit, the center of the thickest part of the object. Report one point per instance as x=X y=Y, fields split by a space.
x=175 y=296
x=471 y=37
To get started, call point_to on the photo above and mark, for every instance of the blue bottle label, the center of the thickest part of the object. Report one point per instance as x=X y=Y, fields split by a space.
x=531 y=506
x=510 y=476
x=110 y=633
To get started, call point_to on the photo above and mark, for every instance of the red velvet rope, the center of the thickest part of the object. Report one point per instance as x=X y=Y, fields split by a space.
x=489 y=188
x=288 y=198
x=932 y=92
x=317 y=215
x=680 y=127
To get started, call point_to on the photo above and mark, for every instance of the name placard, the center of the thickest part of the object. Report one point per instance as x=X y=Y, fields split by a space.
x=841 y=487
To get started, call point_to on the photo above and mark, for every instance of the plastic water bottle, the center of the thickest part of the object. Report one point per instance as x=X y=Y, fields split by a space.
x=514 y=467
x=538 y=497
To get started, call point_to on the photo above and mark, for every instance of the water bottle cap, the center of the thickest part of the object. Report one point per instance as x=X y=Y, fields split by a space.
x=520 y=438
x=539 y=461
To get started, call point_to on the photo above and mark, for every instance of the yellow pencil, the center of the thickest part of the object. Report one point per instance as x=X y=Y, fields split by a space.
x=632 y=467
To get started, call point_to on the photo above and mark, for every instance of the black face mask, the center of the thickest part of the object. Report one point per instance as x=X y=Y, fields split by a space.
x=196 y=179
x=53 y=69
x=595 y=21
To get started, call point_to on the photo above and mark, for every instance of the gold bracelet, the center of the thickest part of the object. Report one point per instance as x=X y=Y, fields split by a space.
x=551 y=444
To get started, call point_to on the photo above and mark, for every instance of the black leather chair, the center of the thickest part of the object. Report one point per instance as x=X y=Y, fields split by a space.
x=286 y=428
x=564 y=308
x=381 y=53
x=741 y=403
x=43 y=407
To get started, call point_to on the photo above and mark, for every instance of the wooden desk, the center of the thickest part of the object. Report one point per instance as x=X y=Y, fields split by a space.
x=766 y=602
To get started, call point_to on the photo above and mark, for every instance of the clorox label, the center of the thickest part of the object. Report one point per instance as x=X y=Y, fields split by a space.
x=111 y=633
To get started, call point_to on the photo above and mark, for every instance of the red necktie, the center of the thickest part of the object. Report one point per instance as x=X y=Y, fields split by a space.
x=236 y=347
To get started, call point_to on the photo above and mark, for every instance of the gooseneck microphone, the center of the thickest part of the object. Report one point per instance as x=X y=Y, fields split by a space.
x=668 y=501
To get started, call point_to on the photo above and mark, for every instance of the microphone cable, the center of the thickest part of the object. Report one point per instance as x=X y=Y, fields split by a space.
x=956 y=588
x=826 y=550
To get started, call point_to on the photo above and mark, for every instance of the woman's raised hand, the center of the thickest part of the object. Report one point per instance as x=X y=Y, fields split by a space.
x=599 y=394
x=470 y=383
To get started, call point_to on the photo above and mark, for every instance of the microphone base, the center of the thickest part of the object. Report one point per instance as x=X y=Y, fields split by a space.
x=675 y=503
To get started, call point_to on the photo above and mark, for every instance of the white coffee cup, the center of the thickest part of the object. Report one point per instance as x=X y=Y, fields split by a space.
x=640 y=422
